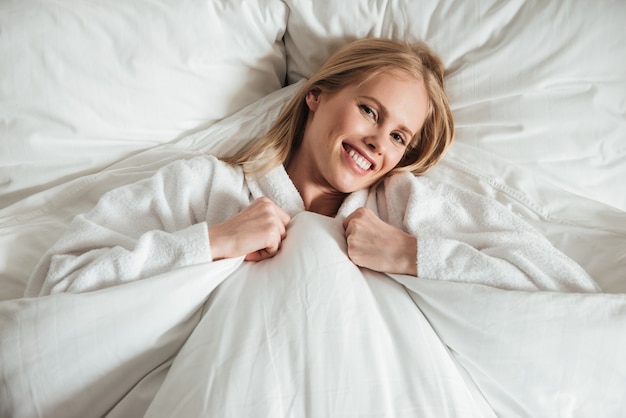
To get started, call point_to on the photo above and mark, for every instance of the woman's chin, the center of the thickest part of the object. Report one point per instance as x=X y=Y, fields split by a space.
x=349 y=187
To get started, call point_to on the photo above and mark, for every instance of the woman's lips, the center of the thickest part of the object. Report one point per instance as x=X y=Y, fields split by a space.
x=359 y=159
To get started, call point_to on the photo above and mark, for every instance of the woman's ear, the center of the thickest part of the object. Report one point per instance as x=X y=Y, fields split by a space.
x=313 y=99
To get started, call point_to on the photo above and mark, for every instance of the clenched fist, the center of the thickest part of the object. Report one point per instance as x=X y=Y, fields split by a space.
x=255 y=232
x=377 y=245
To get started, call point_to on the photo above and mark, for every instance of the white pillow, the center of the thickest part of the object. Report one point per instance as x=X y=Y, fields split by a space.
x=84 y=84
x=540 y=84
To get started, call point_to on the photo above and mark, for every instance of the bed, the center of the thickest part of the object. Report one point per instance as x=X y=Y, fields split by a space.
x=95 y=95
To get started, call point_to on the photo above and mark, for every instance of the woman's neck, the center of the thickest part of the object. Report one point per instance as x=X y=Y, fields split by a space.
x=316 y=197
x=324 y=204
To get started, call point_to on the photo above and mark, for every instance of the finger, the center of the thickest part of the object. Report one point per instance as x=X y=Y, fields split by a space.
x=261 y=255
x=352 y=222
x=284 y=219
x=255 y=256
x=348 y=219
x=357 y=214
x=272 y=249
x=283 y=216
x=348 y=229
x=267 y=203
x=349 y=224
x=267 y=252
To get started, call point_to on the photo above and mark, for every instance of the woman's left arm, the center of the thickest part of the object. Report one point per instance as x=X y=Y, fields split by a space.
x=463 y=236
x=377 y=245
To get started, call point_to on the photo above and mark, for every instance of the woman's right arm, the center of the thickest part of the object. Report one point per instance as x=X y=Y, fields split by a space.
x=134 y=231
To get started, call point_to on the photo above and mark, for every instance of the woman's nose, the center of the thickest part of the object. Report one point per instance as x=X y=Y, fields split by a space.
x=376 y=141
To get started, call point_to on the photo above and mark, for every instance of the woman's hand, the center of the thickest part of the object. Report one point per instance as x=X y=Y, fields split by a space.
x=374 y=244
x=255 y=232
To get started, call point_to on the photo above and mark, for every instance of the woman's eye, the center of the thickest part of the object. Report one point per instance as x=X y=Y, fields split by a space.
x=368 y=111
x=398 y=138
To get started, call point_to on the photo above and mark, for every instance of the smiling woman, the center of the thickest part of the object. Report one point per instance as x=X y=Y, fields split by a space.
x=354 y=137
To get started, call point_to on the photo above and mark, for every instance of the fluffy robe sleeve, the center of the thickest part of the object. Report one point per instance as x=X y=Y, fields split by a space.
x=141 y=229
x=466 y=237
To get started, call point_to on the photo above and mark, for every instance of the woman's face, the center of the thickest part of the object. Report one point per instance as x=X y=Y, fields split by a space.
x=355 y=136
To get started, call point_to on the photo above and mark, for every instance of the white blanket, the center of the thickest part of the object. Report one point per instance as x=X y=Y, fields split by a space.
x=306 y=333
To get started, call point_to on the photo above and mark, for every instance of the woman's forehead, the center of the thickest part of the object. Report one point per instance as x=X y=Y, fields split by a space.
x=395 y=72
x=402 y=95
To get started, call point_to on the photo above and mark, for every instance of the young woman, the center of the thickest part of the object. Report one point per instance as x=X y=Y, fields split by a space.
x=377 y=106
x=375 y=109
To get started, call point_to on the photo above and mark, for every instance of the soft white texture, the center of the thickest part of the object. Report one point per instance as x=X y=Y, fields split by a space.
x=143 y=229
x=306 y=333
x=466 y=237
x=85 y=84
x=77 y=355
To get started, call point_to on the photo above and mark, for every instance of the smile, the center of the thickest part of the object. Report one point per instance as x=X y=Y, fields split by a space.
x=360 y=161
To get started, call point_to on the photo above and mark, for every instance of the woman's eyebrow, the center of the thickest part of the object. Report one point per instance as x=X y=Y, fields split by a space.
x=383 y=110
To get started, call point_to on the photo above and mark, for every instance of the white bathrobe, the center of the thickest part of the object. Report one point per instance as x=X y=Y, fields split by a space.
x=161 y=223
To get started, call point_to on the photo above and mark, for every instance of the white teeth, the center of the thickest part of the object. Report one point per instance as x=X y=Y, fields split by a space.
x=360 y=161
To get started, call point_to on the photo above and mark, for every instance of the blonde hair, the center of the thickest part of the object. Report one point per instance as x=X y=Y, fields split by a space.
x=354 y=63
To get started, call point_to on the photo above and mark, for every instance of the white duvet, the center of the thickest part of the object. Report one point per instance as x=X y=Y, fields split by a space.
x=307 y=333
